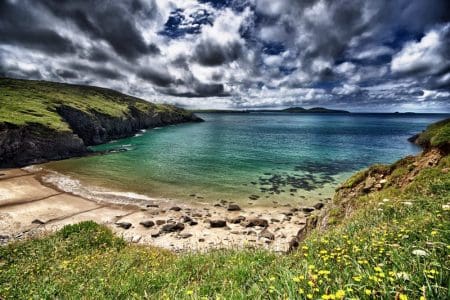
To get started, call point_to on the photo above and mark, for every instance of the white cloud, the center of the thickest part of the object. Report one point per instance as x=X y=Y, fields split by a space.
x=428 y=56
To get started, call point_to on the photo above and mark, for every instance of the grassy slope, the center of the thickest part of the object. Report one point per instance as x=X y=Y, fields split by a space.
x=26 y=101
x=367 y=255
x=436 y=135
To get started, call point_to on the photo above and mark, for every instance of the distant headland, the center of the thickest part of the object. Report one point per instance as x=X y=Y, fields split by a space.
x=296 y=110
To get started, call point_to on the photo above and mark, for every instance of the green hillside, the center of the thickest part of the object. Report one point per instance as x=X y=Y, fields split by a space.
x=27 y=101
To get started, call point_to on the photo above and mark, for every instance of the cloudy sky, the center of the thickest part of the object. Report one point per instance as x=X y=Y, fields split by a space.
x=363 y=55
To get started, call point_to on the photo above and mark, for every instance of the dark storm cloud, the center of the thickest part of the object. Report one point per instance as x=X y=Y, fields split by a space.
x=210 y=53
x=241 y=53
x=159 y=77
x=100 y=71
x=20 y=27
x=111 y=21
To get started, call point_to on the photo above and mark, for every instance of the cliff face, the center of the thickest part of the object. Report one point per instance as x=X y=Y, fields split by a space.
x=34 y=143
x=41 y=121
x=96 y=128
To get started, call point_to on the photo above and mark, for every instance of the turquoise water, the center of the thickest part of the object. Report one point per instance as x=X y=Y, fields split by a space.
x=264 y=156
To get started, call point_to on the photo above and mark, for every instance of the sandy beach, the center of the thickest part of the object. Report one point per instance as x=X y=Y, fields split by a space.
x=29 y=208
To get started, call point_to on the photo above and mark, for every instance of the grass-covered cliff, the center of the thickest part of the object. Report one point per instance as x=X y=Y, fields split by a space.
x=387 y=237
x=45 y=120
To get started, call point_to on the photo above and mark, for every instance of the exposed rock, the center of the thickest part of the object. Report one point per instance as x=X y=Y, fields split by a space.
x=255 y=222
x=175 y=208
x=37 y=221
x=185 y=235
x=124 y=225
x=186 y=219
x=233 y=207
x=136 y=239
x=236 y=220
x=217 y=223
x=172 y=227
x=147 y=224
x=369 y=183
x=293 y=244
x=318 y=205
x=307 y=209
x=267 y=234
x=155 y=234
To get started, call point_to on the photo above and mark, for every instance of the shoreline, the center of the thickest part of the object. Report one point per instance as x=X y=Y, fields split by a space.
x=32 y=207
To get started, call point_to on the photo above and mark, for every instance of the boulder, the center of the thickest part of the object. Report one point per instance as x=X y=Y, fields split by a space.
x=217 y=223
x=255 y=222
x=307 y=209
x=185 y=235
x=236 y=220
x=318 y=205
x=233 y=207
x=147 y=224
x=267 y=234
x=172 y=227
x=124 y=225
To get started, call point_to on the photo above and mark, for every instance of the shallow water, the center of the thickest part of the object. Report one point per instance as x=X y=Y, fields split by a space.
x=265 y=156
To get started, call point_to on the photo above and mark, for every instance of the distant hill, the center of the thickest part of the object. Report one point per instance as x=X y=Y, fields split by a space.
x=286 y=110
x=314 y=110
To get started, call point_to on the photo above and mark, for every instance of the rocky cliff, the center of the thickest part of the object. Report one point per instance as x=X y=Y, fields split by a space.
x=42 y=125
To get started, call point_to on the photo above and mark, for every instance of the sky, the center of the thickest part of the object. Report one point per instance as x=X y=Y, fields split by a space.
x=361 y=55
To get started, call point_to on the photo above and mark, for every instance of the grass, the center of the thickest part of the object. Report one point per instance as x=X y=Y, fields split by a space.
x=436 y=135
x=27 y=101
x=395 y=246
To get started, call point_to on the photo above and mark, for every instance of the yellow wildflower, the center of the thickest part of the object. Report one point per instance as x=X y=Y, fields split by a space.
x=402 y=297
x=340 y=294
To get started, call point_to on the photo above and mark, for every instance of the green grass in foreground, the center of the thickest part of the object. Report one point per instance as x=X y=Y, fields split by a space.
x=29 y=101
x=395 y=246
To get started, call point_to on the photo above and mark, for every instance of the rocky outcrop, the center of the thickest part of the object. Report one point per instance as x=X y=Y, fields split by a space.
x=96 y=128
x=26 y=144
x=33 y=143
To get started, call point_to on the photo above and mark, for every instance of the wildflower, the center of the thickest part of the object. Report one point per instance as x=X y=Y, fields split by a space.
x=368 y=292
x=378 y=269
x=340 y=294
x=301 y=291
x=408 y=203
x=434 y=232
x=357 y=278
x=309 y=296
x=298 y=278
x=402 y=297
x=402 y=275
x=445 y=207
x=189 y=292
